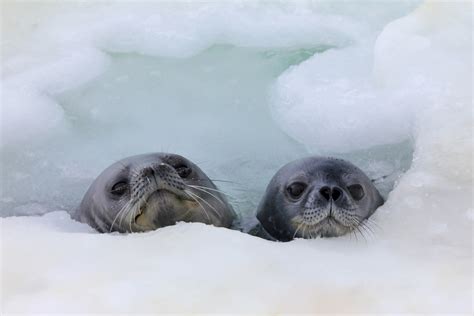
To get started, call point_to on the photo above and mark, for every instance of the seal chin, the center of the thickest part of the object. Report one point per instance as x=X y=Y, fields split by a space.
x=333 y=228
x=162 y=208
x=328 y=227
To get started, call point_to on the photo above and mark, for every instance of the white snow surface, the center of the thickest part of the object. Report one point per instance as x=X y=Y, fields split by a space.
x=342 y=78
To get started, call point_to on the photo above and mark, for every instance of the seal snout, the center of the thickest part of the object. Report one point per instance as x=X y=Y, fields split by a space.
x=335 y=193
x=162 y=176
x=328 y=210
x=312 y=216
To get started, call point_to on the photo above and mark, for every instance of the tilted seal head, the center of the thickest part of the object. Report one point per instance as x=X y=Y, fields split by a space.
x=149 y=191
x=317 y=197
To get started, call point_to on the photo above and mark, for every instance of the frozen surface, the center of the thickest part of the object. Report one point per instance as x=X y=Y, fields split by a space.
x=196 y=268
x=240 y=89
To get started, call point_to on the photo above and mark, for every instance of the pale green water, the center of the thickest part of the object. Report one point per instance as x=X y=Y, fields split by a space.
x=212 y=108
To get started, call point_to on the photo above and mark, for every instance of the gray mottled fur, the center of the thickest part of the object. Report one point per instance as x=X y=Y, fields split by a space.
x=155 y=193
x=312 y=215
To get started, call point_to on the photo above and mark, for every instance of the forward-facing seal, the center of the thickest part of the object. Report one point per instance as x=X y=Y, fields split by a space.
x=150 y=191
x=317 y=197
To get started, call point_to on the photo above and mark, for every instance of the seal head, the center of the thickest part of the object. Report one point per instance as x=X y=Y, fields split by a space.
x=317 y=197
x=150 y=191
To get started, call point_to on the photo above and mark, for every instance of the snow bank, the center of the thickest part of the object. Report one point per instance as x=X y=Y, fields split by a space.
x=197 y=268
x=412 y=81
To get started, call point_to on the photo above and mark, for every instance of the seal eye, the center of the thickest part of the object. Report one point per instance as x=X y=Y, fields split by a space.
x=183 y=170
x=356 y=191
x=119 y=188
x=295 y=190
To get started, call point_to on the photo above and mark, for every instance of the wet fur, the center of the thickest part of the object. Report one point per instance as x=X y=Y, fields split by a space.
x=311 y=215
x=155 y=196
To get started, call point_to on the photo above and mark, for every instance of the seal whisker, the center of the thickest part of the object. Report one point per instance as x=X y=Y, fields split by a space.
x=187 y=212
x=210 y=205
x=358 y=229
x=126 y=211
x=224 y=181
x=215 y=190
x=132 y=215
x=194 y=196
x=351 y=233
x=364 y=225
x=374 y=223
x=355 y=234
x=296 y=231
x=118 y=214
x=304 y=230
x=202 y=190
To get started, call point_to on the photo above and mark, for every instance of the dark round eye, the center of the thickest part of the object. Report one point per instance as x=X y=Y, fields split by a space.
x=183 y=170
x=295 y=190
x=356 y=191
x=119 y=188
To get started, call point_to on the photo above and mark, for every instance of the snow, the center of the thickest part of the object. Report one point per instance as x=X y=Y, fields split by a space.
x=242 y=88
x=197 y=268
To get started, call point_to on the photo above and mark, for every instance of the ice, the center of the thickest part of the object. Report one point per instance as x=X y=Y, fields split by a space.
x=74 y=38
x=372 y=94
x=344 y=111
x=241 y=89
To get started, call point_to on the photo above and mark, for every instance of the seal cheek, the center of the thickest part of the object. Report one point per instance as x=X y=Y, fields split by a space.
x=187 y=210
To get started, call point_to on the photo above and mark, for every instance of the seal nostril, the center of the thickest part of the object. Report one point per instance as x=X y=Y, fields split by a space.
x=325 y=192
x=336 y=193
x=148 y=172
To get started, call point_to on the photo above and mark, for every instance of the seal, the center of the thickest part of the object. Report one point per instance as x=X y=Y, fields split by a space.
x=316 y=197
x=149 y=191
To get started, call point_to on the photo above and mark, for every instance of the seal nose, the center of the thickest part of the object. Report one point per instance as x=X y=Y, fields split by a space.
x=336 y=193
x=327 y=193
x=163 y=169
x=167 y=176
x=148 y=172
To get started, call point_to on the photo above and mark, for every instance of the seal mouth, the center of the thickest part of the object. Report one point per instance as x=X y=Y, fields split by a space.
x=327 y=227
x=330 y=227
x=158 y=202
x=331 y=221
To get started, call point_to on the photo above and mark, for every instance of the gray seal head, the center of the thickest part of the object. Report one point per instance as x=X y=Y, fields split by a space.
x=150 y=191
x=317 y=197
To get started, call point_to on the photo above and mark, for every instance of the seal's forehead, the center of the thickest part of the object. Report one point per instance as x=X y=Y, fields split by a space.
x=130 y=163
x=316 y=167
x=138 y=160
x=147 y=159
